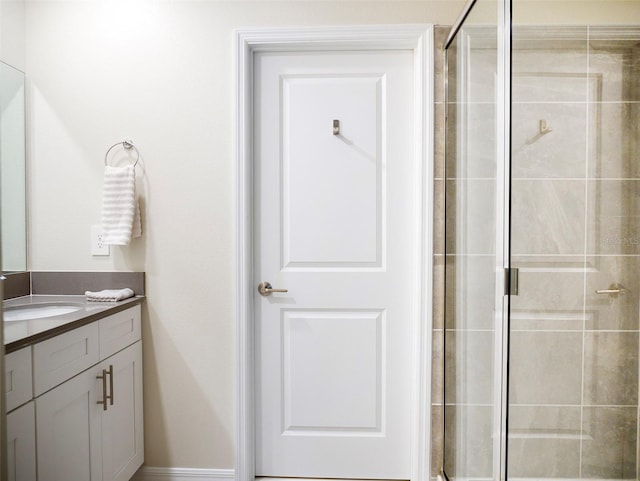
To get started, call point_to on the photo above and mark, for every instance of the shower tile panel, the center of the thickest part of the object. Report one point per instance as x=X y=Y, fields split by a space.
x=546 y=320
x=438 y=291
x=612 y=153
x=548 y=438
x=480 y=84
x=439 y=113
x=546 y=86
x=438 y=217
x=322 y=229
x=472 y=229
x=473 y=278
x=469 y=374
x=613 y=217
x=617 y=67
x=551 y=294
x=548 y=217
x=559 y=153
x=437 y=374
x=619 y=312
x=538 y=38
x=469 y=430
x=453 y=141
x=437 y=439
x=545 y=458
x=440 y=34
x=477 y=157
x=550 y=75
x=332 y=385
x=610 y=442
x=547 y=369
x=611 y=368
x=544 y=422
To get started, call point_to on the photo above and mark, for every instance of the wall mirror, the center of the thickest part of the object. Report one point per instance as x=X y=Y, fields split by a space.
x=13 y=209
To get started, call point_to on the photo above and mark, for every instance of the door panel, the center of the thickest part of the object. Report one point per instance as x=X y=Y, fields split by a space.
x=319 y=169
x=331 y=384
x=333 y=360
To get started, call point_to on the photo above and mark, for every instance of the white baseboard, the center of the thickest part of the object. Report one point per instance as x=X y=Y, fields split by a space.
x=149 y=473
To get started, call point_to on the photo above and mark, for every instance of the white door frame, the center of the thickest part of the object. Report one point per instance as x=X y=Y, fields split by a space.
x=419 y=39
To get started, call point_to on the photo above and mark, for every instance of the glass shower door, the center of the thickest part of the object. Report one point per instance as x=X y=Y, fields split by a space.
x=574 y=334
x=475 y=249
x=543 y=175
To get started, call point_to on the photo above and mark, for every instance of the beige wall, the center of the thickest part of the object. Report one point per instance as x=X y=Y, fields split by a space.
x=161 y=73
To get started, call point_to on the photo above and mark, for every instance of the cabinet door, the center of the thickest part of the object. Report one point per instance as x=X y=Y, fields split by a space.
x=21 y=444
x=69 y=430
x=122 y=426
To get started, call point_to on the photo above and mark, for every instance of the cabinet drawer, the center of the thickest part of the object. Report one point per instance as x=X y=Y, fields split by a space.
x=119 y=331
x=18 y=382
x=64 y=356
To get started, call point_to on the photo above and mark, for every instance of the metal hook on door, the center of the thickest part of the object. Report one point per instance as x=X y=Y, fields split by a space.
x=336 y=127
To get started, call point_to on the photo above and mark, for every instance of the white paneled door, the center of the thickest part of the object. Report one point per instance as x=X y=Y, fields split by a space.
x=334 y=192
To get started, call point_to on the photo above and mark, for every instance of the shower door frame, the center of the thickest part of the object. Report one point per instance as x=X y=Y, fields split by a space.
x=503 y=274
x=503 y=250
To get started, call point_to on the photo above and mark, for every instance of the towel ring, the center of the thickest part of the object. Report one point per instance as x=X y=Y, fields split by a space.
x=128 y=145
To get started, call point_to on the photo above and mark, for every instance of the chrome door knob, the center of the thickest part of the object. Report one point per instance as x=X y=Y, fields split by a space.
x=265 y=289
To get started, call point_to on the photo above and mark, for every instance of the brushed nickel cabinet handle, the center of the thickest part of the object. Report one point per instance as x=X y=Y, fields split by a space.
x=104 y=390
x=110 y=372
x=265 y=289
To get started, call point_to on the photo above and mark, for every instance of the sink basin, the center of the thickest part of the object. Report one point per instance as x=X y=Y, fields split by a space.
x=38 y=311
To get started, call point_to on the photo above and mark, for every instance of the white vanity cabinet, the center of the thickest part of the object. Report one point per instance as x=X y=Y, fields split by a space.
x=77 y=438
x=21 y=429
x=88 y=402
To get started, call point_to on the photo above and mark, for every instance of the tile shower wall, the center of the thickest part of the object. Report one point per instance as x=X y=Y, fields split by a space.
x=575 y=229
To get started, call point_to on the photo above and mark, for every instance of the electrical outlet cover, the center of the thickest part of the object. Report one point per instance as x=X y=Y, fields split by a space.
x=98 y=247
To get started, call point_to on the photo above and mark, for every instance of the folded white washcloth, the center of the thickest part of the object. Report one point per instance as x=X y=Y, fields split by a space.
x=109 y=295
x=120 y=208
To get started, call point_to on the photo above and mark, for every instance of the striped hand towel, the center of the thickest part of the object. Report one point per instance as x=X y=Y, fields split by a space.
x=120 y=208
